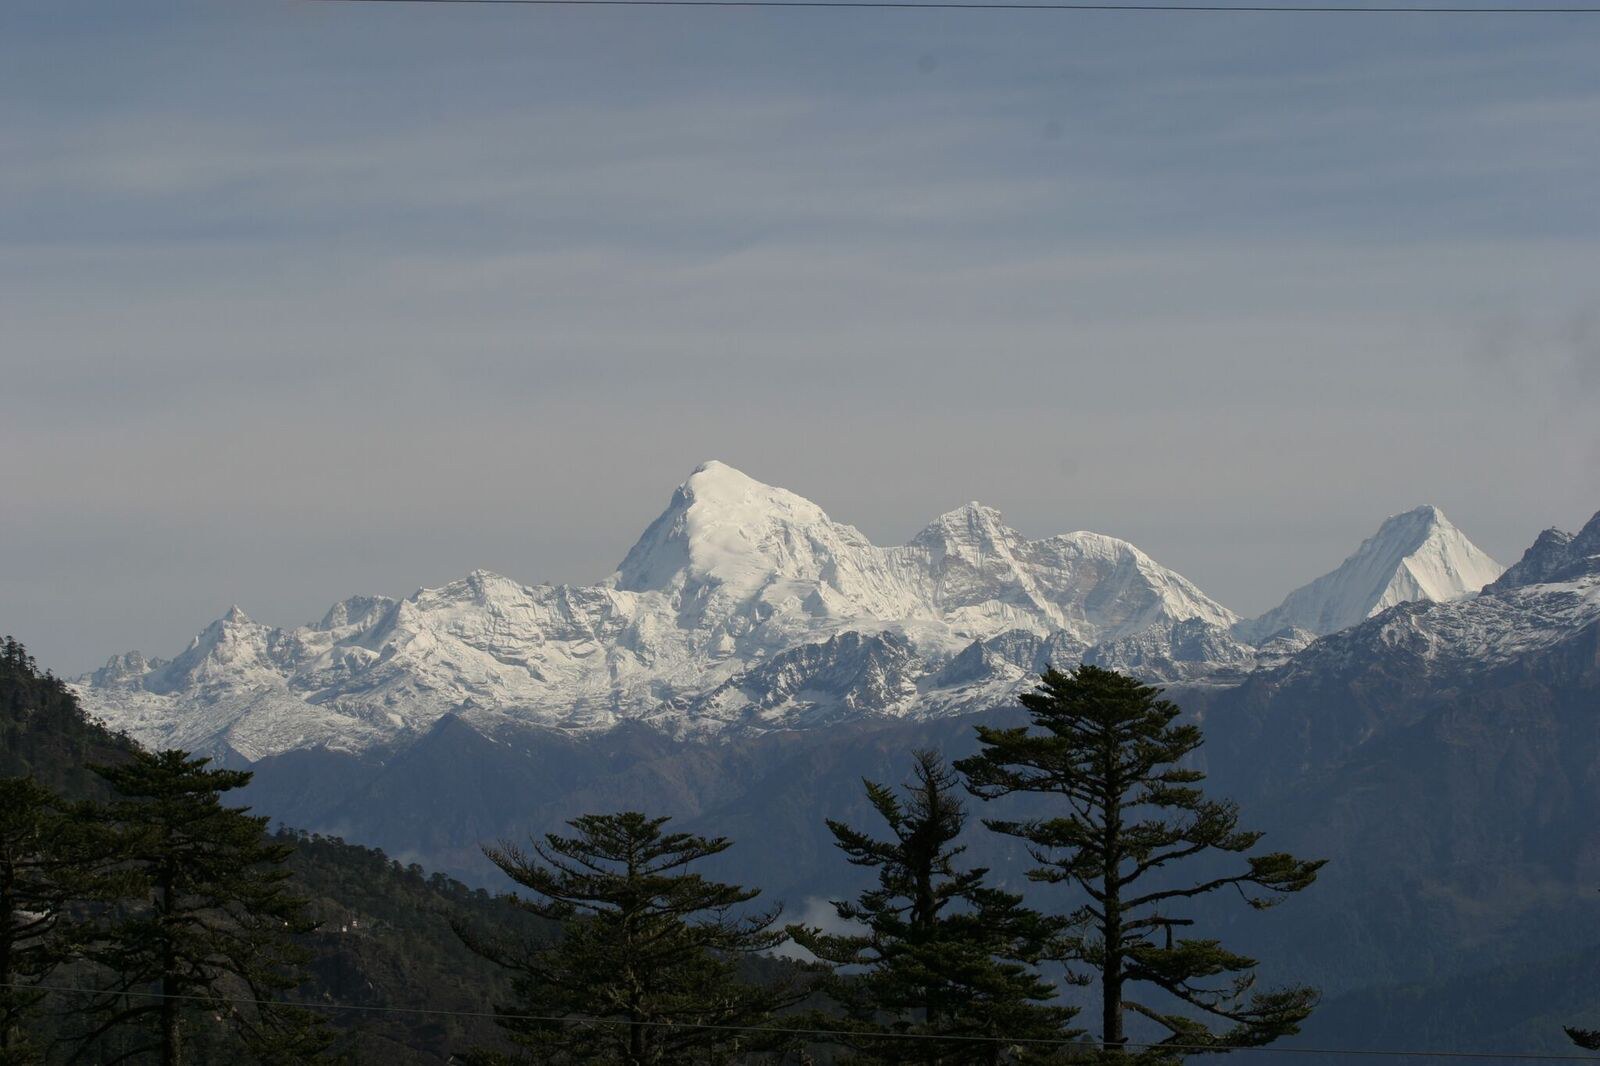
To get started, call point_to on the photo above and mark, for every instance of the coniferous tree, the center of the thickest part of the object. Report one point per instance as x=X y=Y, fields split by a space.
x=644 y=969
x=43 y=732
x=944 y=955
x=198 y=951
x=51 y=857
x=1106 y=749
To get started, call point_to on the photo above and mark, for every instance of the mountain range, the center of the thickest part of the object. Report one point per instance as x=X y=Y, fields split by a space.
x=1425 y=721
x=744 y=609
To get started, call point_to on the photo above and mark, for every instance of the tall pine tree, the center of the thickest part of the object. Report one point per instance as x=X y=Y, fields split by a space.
x=199 y=951
x=644 y=971
x=52 y=857
x=947 y=962
x=1107 y=750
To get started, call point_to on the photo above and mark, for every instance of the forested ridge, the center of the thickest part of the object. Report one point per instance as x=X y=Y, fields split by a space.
x=386 y=963
x=385 y=935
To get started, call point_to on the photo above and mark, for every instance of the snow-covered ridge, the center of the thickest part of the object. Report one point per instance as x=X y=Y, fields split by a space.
x=728 y=542
x=742 y=607
x=733 y=575
x=1549 y=599
x=1414 y=556
x=1556 y=556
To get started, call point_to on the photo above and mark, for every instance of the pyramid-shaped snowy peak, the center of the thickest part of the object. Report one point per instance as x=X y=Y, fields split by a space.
x=726 y=526
x=1417 y=555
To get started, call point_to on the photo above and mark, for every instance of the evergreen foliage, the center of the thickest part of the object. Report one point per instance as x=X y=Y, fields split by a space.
x=44 y=734
x=1588 y=1039
x=176 y=908
x=944 y=954
x=647 y=948
x=386 y=943
x=200 y=950
x=386 y=936
x=52 y=857
x=1107 y=752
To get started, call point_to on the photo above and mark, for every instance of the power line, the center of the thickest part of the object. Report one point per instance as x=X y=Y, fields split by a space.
x=970 y=5
x=1004 y=5
x=556 y=1019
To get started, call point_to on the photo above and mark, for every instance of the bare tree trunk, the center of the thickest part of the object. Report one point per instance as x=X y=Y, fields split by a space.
x=171 y=1034
x=1111 y=981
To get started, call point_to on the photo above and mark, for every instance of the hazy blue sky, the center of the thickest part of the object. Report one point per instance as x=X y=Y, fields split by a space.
x=303 y=300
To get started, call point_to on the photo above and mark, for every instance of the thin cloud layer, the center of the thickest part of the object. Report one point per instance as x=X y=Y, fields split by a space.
x=307 y=302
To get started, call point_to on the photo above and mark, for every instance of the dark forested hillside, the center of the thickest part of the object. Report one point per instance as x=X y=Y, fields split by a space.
x=388 y=967
x=43 y=732
x=385 y=945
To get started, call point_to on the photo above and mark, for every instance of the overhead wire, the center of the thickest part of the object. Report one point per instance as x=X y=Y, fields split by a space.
x=1011 y=5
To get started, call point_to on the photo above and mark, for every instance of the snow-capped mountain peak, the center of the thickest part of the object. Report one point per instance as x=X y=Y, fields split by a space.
x=972 y=557
x=1415 y=555
x=743 y=607
x=971 y=531
x=734 y=574
x=354 y=611
x=1556 y=556
x=724 y=527
x=229 y=647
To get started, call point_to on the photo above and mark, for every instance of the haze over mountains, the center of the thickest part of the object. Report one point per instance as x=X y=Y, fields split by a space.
x=745 y=608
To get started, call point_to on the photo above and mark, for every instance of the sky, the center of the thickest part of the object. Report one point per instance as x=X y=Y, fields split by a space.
x=301 y=300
